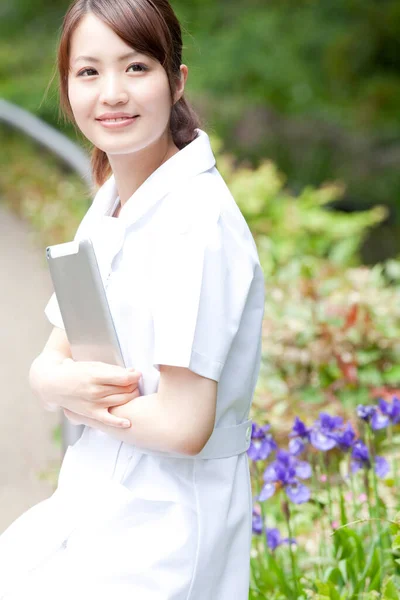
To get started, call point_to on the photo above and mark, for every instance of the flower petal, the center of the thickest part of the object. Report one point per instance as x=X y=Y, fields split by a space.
x=382 y=467
x=267 y=491
x=303 y=469
x=297 y=493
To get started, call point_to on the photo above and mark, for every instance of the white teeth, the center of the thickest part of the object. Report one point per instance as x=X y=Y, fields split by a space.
x=116 y=120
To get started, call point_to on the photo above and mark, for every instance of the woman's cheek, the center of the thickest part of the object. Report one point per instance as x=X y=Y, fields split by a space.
x=80 y=99
x=154 y=94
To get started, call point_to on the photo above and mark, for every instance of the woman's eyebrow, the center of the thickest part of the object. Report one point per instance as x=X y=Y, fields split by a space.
x=97 y=60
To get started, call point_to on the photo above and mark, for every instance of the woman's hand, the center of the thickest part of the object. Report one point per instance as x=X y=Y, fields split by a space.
x=86 y=390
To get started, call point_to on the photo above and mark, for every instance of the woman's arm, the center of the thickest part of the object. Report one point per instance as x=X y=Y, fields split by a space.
x=56 y=350
x=180 y=417
x=83 y=387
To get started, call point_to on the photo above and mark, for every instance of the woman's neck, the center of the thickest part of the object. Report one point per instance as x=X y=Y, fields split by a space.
x=132 y=170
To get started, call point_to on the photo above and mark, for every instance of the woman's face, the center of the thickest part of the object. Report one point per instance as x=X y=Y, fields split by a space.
x=116 y=79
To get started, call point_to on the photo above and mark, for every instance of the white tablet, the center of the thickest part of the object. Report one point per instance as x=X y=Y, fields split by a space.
x=83 y=302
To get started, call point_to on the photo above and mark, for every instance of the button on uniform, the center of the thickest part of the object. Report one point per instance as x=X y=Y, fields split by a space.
x=248 y=434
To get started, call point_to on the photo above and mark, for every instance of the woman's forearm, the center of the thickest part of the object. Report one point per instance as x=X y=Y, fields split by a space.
x=40 y=377
x=180 y=417
x=151 y=427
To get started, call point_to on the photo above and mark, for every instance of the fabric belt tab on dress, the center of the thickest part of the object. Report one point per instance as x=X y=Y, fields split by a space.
x=223 y=443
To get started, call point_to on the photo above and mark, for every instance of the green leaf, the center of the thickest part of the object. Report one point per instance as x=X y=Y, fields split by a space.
x=327 y=590
x=392 y=375
x=389 y=589
x=334 y=576
x=343 y=547
x=372 y=569
x=396 y=542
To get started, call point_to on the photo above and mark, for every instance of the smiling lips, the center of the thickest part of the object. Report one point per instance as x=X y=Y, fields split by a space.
x=116 y=115
x=116 y=120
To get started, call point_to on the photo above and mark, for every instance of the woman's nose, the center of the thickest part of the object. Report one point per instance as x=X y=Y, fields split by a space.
x=113 y=91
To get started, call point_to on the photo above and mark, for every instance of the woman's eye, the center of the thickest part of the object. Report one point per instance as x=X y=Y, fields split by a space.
x=86 y=71
x=137 y=67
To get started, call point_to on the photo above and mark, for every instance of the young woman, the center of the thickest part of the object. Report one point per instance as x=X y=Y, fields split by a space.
x=154 y=500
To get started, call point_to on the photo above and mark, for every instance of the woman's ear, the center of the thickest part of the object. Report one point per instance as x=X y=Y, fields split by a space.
x=181 y=85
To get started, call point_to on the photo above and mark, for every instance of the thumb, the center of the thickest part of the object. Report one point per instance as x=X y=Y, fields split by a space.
x=133 y=370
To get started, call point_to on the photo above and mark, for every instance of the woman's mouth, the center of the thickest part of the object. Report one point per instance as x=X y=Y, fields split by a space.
x=118 y=122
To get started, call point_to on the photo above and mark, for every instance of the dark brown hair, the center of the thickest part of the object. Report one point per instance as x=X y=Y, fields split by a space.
x=148 y=26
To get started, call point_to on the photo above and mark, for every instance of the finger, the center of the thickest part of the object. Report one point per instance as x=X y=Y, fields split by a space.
x=118 y=395
x=135 y=394
x=102 y=416
x=108 y=419
x=117 y=377
x=108 y=389
x=119 y=399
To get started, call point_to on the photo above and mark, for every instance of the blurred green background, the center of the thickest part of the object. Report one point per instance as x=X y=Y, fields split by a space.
x=313 y=85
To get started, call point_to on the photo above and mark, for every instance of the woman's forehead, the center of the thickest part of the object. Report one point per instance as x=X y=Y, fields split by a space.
x=95 y=41
x=95 y=38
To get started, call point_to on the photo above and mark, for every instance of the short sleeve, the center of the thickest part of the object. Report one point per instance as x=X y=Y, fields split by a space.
x=53 y=313
x=200 y=285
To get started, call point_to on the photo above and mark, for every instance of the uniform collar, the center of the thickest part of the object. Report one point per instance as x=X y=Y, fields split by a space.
x=108 y=233
x=195 y=158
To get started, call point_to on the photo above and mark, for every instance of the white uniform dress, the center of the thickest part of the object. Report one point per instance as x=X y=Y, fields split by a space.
x=185 y=288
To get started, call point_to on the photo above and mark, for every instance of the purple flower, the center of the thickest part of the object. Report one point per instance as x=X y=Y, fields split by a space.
x=300 y=430
x=379 y=421
x=391 y=410
x=365 y=412
x=382 y=467
x=361 y=459
x=300 y=435
x=262 y=444
x=324 y=431
x=257 y=524
x=360 y=452
x=285 y=471
x=298 y=493
x=296 y=446
x=371 y=415
x=345 y=438
x=267 y=491
x=274 y=539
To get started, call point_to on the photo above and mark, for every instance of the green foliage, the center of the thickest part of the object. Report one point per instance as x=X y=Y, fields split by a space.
x=313 y=85
x=296 y=225
x=336 y=57
x=40 y=189
x=331 y=326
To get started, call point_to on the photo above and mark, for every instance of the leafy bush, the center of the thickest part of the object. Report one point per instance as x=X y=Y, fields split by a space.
x=331 y=327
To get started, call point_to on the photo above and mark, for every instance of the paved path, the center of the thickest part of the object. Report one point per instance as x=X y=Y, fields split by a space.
x=26 y=429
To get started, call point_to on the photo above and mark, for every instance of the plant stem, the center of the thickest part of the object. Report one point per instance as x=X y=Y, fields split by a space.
x=353 y=493
x=376 y=502
x=394 y=466
x=321 y=544
x=292 y=557
x=328 y=487
x=324 y=530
